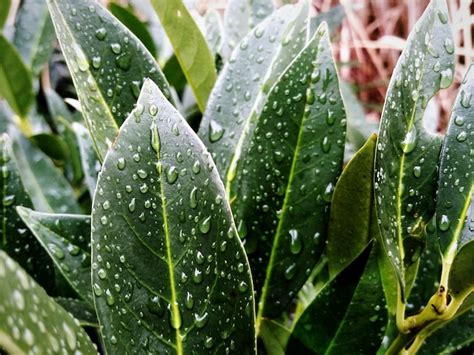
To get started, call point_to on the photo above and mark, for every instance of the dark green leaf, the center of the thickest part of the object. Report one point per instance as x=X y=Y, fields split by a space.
x=66 y=238
x=407 y=155
x=30 y=319
x=34 y=34
x=351 y=207
x=461 y=276
x=90 y=162
x=274 y=337
x=190 y=47
x=161 y=222
x=108 y=65
x=349 y=307
x=244 y=82
x=135 y=25
x=16 y=239
x=52 y=145
x=456 y=174
x=297 y=146
x=42 y=180
x=15 y=79
x=240 y=17
x=4 y=11
x=174 y=74
x=80 y=310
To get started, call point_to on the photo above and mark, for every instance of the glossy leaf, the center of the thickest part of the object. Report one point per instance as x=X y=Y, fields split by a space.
x=15 y=85
x=52 y=145
x=4 y=11
x=66 y=238
x=240 y=17
x=161 y=222
x=348 y=307
x=80 y=310
x=244 y=82
x=108 y=65
x=30 y=318
x=190 y=47
x=90 y=162
x=16 y=239
x=456 y=174
x=138 y=28
x=34 y=34
x=296 y=144
x=274 y=337
x=351 y=210
x=42 y=180
x=461 y=276
x=407 y=155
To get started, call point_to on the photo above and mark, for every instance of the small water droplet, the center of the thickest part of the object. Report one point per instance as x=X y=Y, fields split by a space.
x=295 y=241
x=444 y=223
x=215 y=131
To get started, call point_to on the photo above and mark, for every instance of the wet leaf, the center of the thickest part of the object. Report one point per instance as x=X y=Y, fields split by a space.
x=348 y=307
x=30 y=317
x=16 y=239
x=333 y=17
x=244 y=82
x=80 y=310
x=108 y=65
x=41 y=179
x=461 y=276
x=407 y=155
x=66 y=238
x=283 y=174
x=456 y=175
x=214 y=31
x=139 y=29
x=351 y=210
x=240 y=17
x=190 y=48
x=161 y=222
x=90 y=162
x=15 y=85
x=34 y=34
x=274 y=337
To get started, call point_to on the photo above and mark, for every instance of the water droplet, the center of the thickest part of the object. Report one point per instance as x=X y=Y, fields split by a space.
x=442 y=16
x=56 y=250
x=462 y=136
x=197 y=276
x=215 y=131
x=121 y=163
x=295 y=241
x=409 y=143
x=189 y=302
x=330 y=118
x=116 y=48
x=444 y=223
x=243 y=286
x=201 y=320
x=205 y=225
x=172 y=174
x=8 y=200
x=155 y=306
x=327 y=195
x=459 y=120
x=417 y=171
x=446 y=78
x=326 y=144
x=196 y=167
x=155 y=138
x=102 y=274
x=132 y=205
x=290 y=271
x=466 y=99
x=193 y=197
x=449 y=46
x=101 y=33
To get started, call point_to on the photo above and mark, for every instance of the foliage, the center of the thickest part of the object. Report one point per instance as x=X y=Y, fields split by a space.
x=203 y=204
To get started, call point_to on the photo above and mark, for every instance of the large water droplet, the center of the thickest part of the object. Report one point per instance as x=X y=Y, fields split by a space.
x=205 y=225
x=215 y=131
x=295 y=241
x=409 y=143
x=444 y=223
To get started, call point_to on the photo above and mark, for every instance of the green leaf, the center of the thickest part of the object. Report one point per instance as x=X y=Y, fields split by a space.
x=407 y=155
x=89 y=160
x=108 y=65
x=244 y=82
x=42 y=180
x=190 y=47
x=16 y=239
x=66 y=238
x=174 y=74
x=351 y=210
x=15 y=79
x=52 y=145
x=80 y=310
x=4 y=11
x=34 y=34
x=132 y=22
x=30 y=319
x=297 y=146
x=240 y=17
x=347 y=308
x=160 y=221
x=461 y=276
x=274 y=337
x=456 y=174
